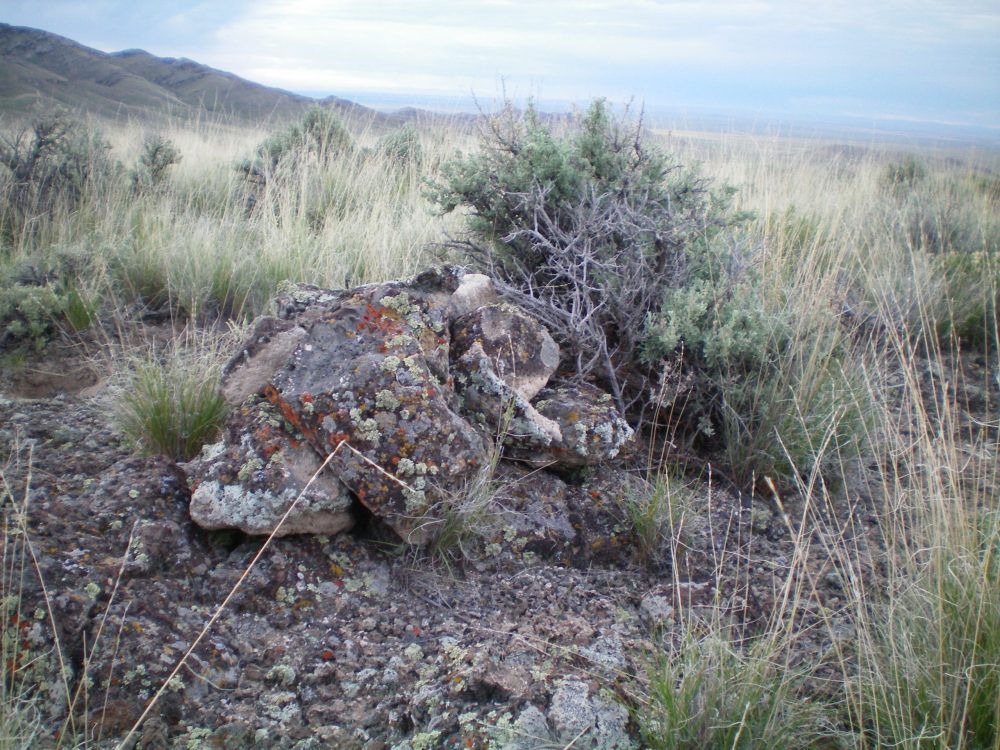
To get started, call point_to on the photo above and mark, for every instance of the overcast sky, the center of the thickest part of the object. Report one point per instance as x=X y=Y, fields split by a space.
x=935 y=60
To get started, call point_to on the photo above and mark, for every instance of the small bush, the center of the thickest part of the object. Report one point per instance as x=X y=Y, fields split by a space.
x=904 y=174
x=624 y=255
x=278 y=173
x=51 y=167
x=320 y=134
x=158 y=155
x=29 y=313
x=401 y=147
x=173 y=407
x=968 y=306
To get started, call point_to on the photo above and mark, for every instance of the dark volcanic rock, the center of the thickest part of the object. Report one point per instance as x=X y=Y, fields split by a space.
x=372 y=374
x=400 y=388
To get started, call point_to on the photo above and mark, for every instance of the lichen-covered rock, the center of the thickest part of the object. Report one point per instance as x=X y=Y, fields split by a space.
x=264 y=351
x=475 y=290
x=541 y=516
x=500 y=358
x=591 y=430
x=519 y=348
x=369 y=381
x=592 y=721
x=250 y=478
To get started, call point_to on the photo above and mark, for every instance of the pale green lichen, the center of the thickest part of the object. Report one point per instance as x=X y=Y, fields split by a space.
x=283 y=674
x=401 y=339
x=386 y=399
x=247 y=470
x=413 y=366
x=425 y=740
x=368 y=431
x=416 y=500
x=400 y=303
x=92 y=590
x=390 y=364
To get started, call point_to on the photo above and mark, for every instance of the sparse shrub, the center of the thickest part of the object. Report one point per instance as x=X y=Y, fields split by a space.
x=51 y=166
x=37 y=298
x=320 y=133
x=278 y=172
x=29 y=313
x=172 y=407
x=401 y=147
x=624 y=255
x=798 y=413
x=905 y=174
x=158 y=154
x=967 y=307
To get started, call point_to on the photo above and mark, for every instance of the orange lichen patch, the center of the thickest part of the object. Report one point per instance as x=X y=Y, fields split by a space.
x=306 y=398
x=380 y=320
x=337 y=438
x=288 y=412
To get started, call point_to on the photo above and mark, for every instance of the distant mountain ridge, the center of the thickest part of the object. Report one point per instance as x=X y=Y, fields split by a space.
x=40 y=70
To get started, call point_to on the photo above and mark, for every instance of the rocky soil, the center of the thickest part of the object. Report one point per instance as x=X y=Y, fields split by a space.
x=519 y=639
x=350 y=641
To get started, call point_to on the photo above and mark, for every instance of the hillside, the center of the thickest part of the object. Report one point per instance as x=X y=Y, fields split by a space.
x=40 y=70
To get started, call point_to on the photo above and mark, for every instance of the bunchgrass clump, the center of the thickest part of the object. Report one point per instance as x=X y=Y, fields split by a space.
x=933 y=679
x=657 y=516
x=710 y=695
x=172 y=405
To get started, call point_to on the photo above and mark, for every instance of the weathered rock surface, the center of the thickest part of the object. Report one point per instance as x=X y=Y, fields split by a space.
x=335 y=641
x=257 y=472
x=590 y=429
x=370 y=373
x=519 y=348
x=401 y=388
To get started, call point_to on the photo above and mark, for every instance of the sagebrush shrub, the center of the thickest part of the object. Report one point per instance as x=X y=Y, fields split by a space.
x=158 y=154
x=401 y=147
x=50 y=166
x=628 y=257
x=277 y=169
